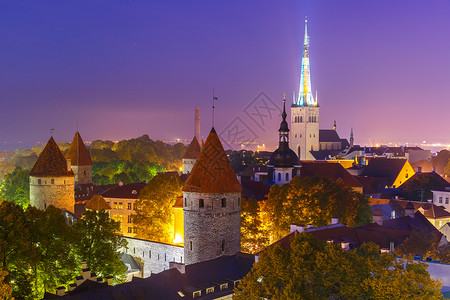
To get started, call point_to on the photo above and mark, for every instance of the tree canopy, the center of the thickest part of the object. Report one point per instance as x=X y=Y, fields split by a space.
x=16 y=187
x=154 y=212
x=312 y=200
x=41 y=252
x=313 y=269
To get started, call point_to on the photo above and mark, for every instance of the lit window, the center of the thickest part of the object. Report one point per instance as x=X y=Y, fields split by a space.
x=197 y=294
x=115 y=205
x=120 y=205
x=223 y=286
x=130 y=229
x=210 y=290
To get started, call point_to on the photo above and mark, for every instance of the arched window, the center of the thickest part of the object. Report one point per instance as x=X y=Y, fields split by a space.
x=279 y=176
x=287 y=177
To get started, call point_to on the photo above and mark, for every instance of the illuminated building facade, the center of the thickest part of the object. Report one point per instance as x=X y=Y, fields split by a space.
x=305 y=111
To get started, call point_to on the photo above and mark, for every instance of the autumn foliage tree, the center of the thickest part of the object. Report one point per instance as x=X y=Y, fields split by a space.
x=312 y=200
x=313 y=269
x=154 y=213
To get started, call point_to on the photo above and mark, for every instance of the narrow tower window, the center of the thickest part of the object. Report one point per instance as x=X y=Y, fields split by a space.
x=223 y=245
x=201 y=203
x=190 y=245
x=224 y=202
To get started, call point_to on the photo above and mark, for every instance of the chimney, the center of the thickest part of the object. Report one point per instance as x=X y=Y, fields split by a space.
x=69 y=164
x=430 y=200
x=409 y=209
x=345 y=245
x=419 y=170
x=179 y=266
x=109 y=280
x=377 y=216
x=297 y=227
x=84 y=264
x=86 y=273
x=60 y=291
x=433 y=169
x=197 y=123
x=334 y=221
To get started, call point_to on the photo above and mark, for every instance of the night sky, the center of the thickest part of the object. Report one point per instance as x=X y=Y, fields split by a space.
x=126 y=68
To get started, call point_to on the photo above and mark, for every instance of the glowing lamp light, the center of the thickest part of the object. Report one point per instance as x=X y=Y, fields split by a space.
x=178 y=239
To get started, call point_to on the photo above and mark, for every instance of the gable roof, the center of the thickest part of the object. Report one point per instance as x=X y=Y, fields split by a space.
x=51 y=162
x=328 y=136
x=77 y=152
x=97 y=203
x=212 y=171
x=426 y=178
x=429 y=210
x=333 y=171
x=125 y=191
x=193 y=149
x=384 y=167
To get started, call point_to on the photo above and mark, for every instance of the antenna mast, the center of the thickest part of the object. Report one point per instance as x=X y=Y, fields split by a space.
x=213 y=99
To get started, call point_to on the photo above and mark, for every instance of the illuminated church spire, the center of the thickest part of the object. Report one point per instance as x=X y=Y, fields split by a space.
x=305 y=97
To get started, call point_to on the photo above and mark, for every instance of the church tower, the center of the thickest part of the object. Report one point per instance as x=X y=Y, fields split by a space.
x=211 y=205
x=305 y=111
x=52 y=179
x=283 y=163
x=81 y=162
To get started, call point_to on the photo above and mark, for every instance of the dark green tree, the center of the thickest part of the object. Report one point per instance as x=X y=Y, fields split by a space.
x=98 y=244
x=16 y=187
x=154 y=212
x=313 y=269
x=313 y=200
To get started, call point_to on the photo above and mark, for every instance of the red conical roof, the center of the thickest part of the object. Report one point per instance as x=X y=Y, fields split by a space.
x=51 y=162
x=193 y=149
x=78 y=153
x=212 y=171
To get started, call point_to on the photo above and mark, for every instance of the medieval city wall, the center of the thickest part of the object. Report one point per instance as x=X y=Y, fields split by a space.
x=56 y=191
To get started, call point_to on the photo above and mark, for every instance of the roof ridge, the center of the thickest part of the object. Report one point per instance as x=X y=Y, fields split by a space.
x=51 y=162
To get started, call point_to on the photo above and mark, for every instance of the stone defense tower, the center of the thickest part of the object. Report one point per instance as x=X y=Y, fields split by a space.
x=190 y=156
x=52 y=179
x=211 y=205
x=305 y=111
x=81 y=162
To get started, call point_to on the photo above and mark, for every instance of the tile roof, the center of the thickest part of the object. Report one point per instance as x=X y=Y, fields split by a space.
x=193 y=149
x=333 y=171
x=166 y=285
x=77 y=152
x=384 y=167
x=324 y=154
x=429 y=210
x=372 y=185
x=97 y=203
x=328 y=136
x=212 y=171
x=425 y=178
x=178 y=202
x=51 y=162
x=257 y=190
x=126 y=191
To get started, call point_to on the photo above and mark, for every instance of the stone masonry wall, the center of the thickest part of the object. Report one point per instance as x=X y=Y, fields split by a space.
x=56 y=191
x=156 y=256
x=83 y=174
x=212 y=230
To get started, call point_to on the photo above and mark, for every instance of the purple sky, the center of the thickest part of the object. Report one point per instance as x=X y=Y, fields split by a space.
x=127 y=68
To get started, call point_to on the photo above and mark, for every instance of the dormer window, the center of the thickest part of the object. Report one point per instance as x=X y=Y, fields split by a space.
x=210 y=290
x=197 y=294
x=223 y=286
x=134 y=192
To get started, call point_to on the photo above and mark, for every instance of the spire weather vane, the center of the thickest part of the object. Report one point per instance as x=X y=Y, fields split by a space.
x=213 y=99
